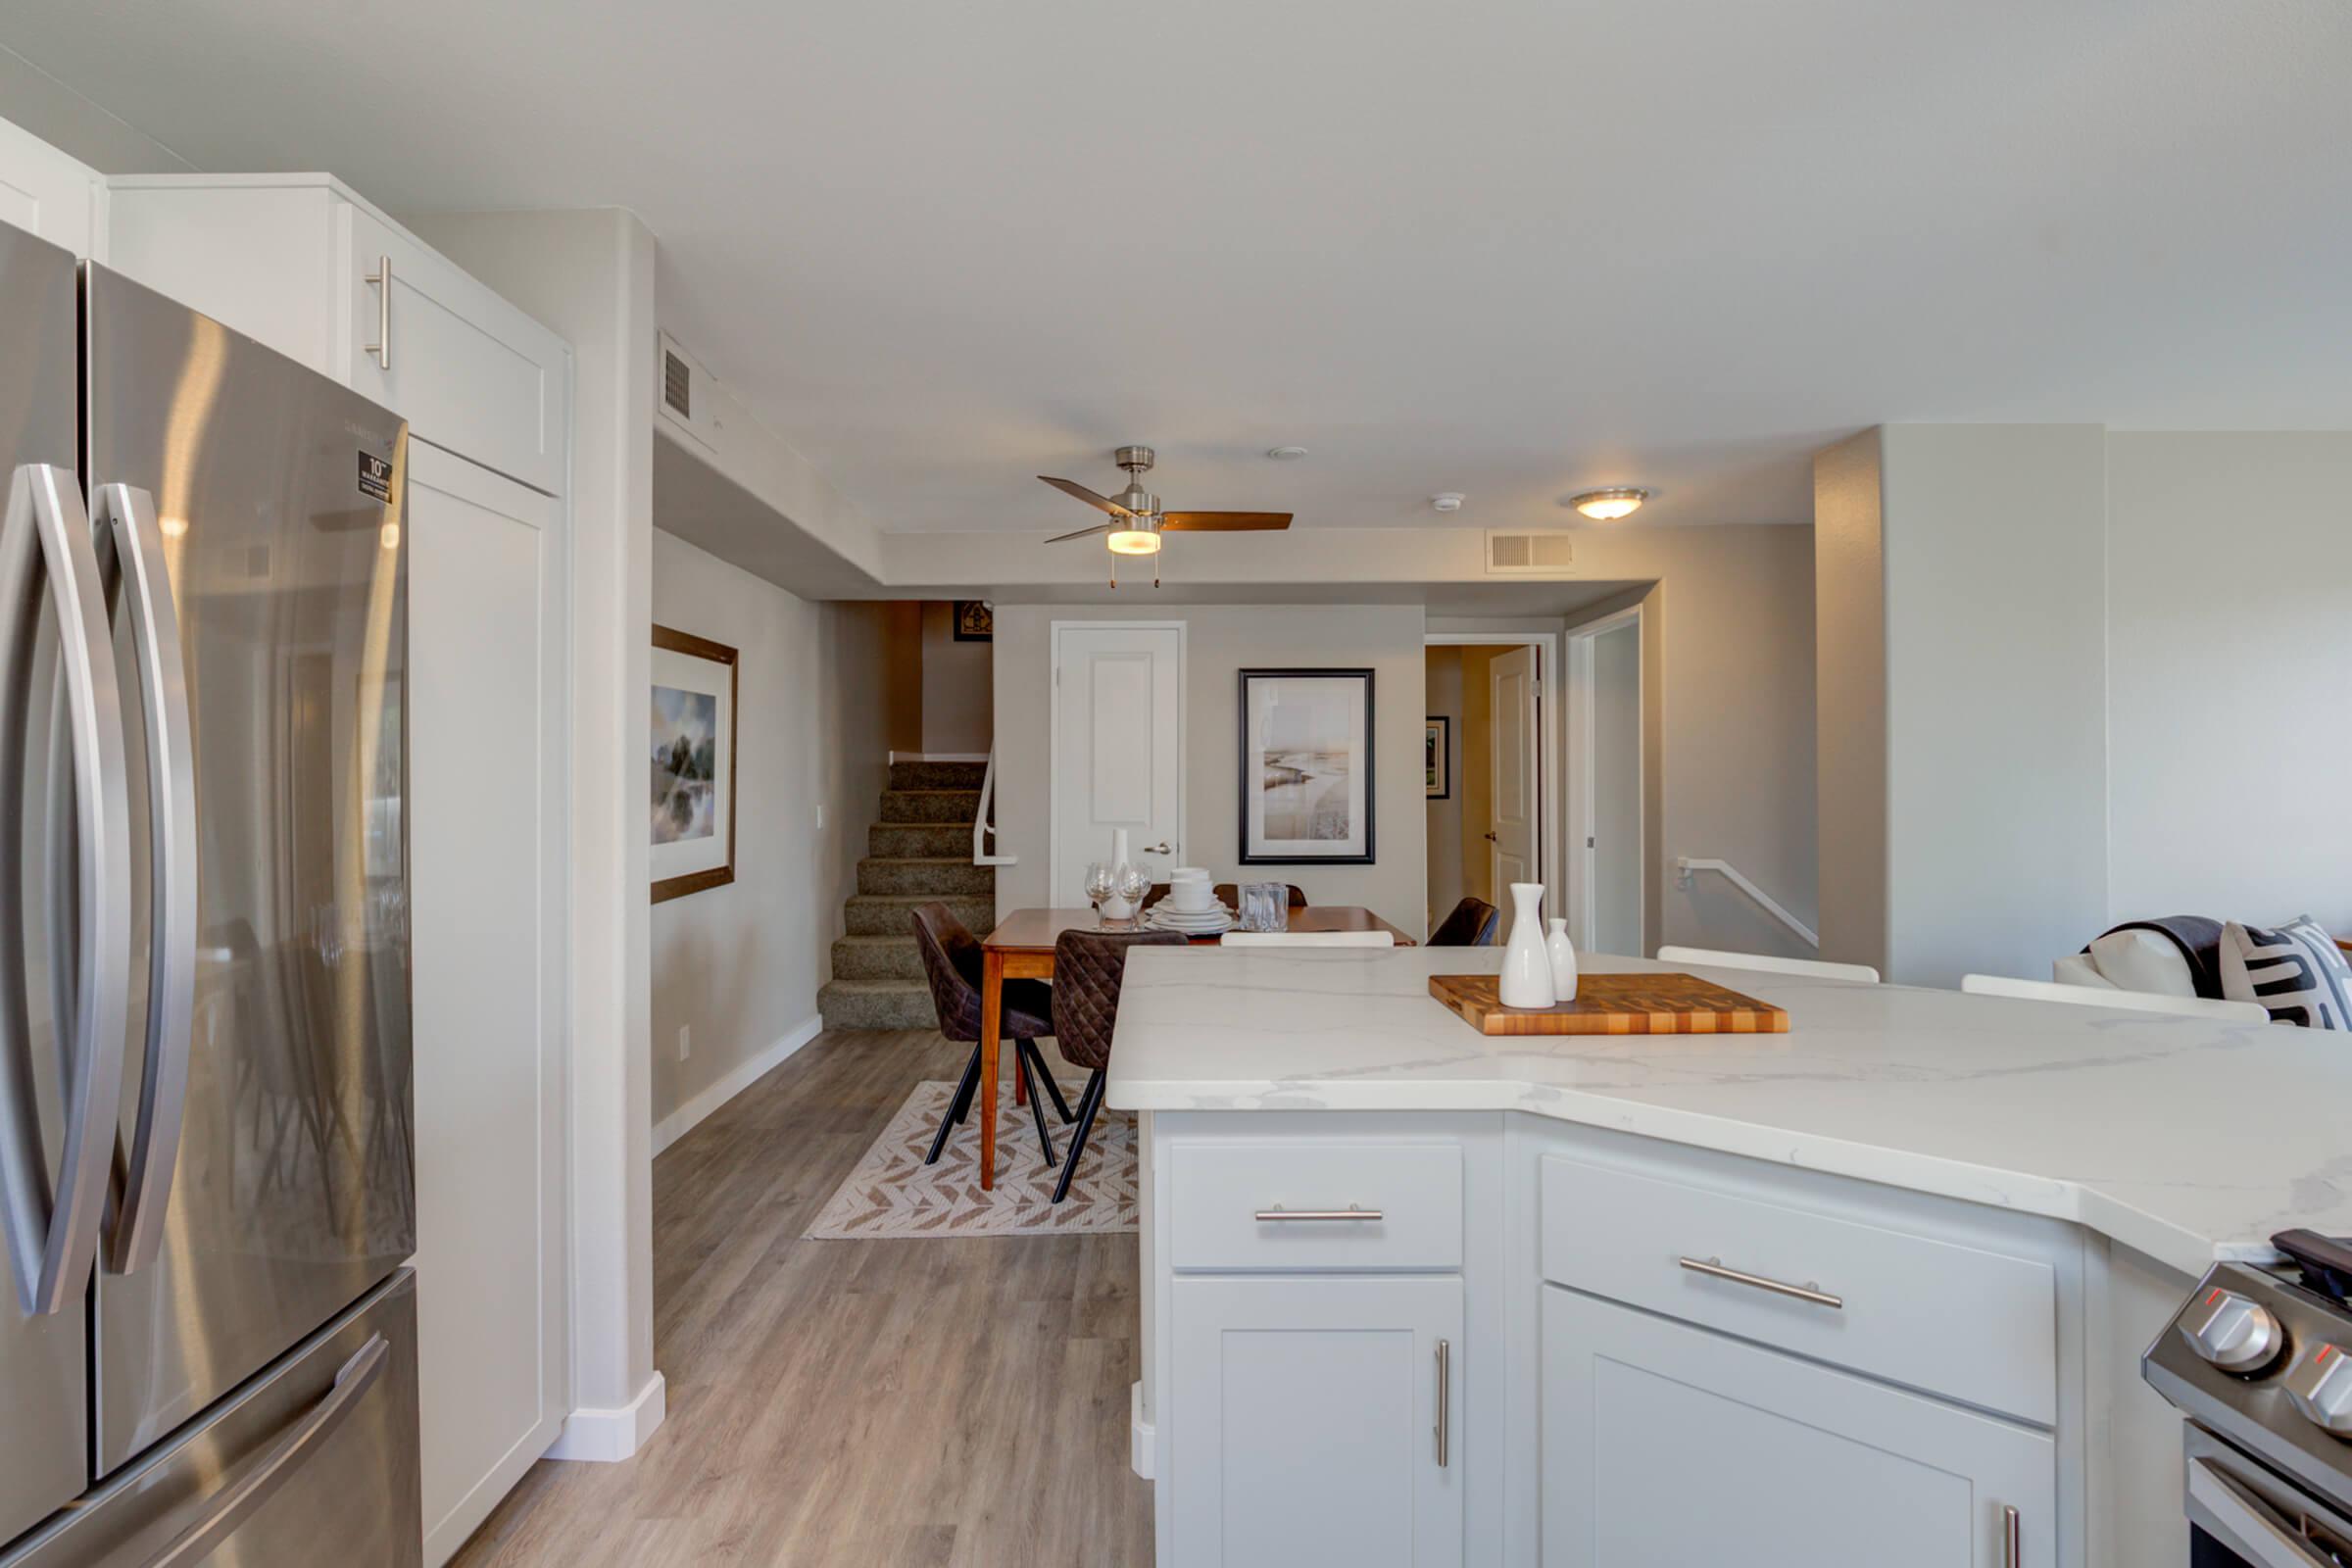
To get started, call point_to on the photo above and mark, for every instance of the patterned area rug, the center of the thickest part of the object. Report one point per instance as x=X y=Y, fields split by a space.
x=893 y=1194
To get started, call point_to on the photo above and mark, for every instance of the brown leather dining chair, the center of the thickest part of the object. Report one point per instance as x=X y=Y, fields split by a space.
x=1473 y=924
x=951 y=963
x=1089 y=968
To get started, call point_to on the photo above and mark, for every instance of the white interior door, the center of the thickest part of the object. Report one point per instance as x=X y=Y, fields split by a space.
x=1616 y=774
x=486 y=681
x=1118 y=749
x=1514 y=854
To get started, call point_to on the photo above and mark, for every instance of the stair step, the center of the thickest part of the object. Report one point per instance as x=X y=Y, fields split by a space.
x=937 y=775
x=919 y=840
x=876 y=1004
x=935 y=877
x=930 y=805
x=889 y=914
x=877 y=959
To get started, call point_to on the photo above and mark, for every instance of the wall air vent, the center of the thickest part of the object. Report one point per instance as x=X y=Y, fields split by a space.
x=690 y=399
x=1530 y=555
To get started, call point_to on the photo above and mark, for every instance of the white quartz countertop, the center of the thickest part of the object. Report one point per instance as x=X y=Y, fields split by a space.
x=2188 y=1139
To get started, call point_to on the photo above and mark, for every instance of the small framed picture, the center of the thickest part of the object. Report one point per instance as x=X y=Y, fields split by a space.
x=975 y=620
x=693 y=764
x=1437 y=758
x=1307 y=767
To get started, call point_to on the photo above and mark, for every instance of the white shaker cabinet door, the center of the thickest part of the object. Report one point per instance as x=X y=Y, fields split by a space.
x=468 y=371
x=1306 y=1422
x=485 y=693
x=1670 y=1446
x=46 y=193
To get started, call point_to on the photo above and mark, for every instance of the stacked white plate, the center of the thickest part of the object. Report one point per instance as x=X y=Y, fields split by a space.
x=1215 y=921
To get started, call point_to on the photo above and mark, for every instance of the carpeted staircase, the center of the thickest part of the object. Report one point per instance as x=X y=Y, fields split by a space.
x=921 y=850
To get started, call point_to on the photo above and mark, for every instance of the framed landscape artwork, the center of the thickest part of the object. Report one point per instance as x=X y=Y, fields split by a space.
x=1437 y=758
x=1307 y=767
x=693 y=764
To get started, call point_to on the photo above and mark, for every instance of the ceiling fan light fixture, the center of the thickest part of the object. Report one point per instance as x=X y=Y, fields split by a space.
x=1607 y=506
x=1135 y=541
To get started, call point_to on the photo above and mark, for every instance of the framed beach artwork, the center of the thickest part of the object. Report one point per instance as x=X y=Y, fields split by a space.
x=1437 y=758
x=693 y=764
x=1307 y=766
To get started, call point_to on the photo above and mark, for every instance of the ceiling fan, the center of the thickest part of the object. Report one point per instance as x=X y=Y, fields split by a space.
x=1137 y=522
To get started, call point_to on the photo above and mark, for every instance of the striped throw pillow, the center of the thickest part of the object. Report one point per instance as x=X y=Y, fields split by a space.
x=2296 y=971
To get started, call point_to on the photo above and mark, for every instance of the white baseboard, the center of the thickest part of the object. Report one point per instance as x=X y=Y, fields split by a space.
x=938 y=756
x=1143 y=1438
x=606 y=1437
x=681 y=1121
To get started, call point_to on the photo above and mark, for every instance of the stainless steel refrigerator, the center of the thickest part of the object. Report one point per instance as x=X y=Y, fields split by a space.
x=207 y=1340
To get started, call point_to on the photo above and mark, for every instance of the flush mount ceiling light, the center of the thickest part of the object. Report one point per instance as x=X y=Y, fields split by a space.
x=1607 y=506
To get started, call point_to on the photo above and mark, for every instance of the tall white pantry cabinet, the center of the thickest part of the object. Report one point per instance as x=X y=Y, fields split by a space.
x=303 y=265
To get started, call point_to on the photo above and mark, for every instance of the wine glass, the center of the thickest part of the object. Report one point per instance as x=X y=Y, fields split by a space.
x=1134 y=881
x=1098 y=886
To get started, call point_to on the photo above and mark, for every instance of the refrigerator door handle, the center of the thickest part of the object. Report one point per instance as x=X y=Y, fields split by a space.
x=53 y=1252
x=238 y=1502
x=128 y=534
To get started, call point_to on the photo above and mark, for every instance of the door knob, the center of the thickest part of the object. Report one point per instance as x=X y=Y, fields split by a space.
x=1162 y=848
x=1489 y=837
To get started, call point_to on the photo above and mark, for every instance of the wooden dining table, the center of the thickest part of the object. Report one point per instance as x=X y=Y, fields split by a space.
x=1021 y=948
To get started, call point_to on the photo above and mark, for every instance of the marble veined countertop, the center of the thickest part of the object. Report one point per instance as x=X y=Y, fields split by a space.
x=2188 y=1139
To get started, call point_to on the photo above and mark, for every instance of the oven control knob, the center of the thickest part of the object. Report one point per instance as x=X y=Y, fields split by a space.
x=2321 y=1387
x=2231 y=1331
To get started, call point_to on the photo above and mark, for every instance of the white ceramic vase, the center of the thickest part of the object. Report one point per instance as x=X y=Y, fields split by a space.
x=1526 y=980
x=1563 y=962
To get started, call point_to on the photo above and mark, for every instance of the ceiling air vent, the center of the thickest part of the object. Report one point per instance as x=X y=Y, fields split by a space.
x=1528 y=555
x=677 y=384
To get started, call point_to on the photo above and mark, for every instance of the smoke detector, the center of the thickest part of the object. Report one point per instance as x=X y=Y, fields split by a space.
x=1286 y=454
x=1450 y=500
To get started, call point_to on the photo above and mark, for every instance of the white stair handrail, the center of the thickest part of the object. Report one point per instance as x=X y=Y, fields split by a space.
x=1685 y=865
x=984 y=826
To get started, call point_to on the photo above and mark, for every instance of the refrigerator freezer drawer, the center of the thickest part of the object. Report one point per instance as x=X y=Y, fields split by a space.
x=314 y=1461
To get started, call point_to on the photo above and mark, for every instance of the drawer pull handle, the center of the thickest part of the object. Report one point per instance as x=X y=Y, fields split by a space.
x=1267 y=1217
x=1713 y=1269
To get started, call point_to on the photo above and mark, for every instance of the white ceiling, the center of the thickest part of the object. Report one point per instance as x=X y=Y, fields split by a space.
x=1510 y=249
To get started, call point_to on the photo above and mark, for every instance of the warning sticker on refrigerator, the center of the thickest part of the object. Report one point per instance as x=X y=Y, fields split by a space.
x=375 y=477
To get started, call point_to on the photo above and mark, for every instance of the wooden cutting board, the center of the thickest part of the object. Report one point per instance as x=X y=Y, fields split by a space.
x=1614 y=1005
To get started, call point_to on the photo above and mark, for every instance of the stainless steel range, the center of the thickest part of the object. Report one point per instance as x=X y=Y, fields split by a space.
x=2261 y=1363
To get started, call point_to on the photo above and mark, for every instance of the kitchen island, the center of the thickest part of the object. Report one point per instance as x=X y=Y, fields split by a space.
x=1417 y=1296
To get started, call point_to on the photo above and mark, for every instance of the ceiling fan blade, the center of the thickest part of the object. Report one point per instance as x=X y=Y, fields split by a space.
x=1224 y=521
x=1073 y=488
x=1100 y=527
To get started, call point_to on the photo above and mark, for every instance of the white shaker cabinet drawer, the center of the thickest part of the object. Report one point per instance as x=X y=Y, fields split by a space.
x=1957 y=1320
x=1304 y=1207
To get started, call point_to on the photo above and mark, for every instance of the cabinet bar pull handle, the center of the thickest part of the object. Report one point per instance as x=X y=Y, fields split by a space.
x=381 y=348
x=1713 y=1269
x=2013 y=1539
x=1267 y=1217
x=1445 y=1398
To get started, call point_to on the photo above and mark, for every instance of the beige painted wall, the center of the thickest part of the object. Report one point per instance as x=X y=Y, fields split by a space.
x=740 y=965
x=1478 y=773
x=959 y=686
x=1441 y=690
x=2229 y=646
x=1221 y=640
x=1850 y=671
x=901 y=626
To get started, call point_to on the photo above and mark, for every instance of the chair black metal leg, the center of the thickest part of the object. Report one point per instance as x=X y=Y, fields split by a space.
x=1089 y=1104
x=1038 y=1071
x=955 y=1106
x=1037 y=1101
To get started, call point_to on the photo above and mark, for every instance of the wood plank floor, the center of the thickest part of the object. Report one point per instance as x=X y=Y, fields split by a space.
x=955 y=1402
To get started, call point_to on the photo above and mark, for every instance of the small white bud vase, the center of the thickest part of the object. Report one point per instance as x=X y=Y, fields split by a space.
x=1526 y=979
x=1563 y=962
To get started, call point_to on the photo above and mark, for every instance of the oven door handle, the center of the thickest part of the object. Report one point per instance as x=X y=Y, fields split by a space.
x=2250 y=1521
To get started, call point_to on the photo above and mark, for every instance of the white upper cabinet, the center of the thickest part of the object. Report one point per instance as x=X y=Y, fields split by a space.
x=42 y=190
x=302 y=263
